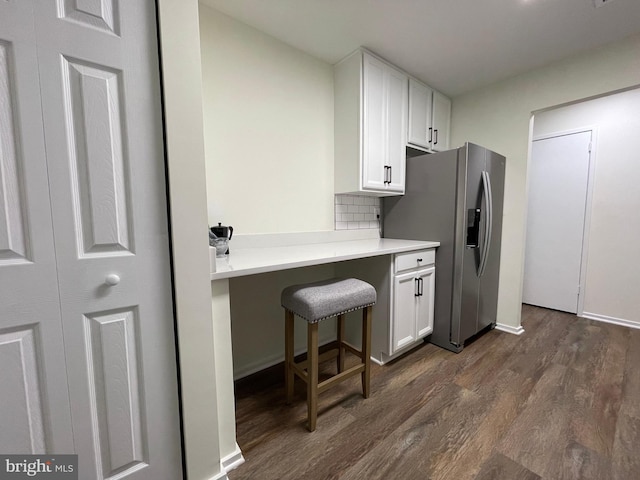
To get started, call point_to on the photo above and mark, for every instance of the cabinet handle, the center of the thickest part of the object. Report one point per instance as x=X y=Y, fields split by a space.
x=419 y=259
x=417 y=289
x=387 y=174
x=430 y=134
x=390 y=175
x=436 y=136
x=420 y=286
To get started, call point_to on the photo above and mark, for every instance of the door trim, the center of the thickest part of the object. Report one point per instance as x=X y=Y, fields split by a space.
x=593 y=129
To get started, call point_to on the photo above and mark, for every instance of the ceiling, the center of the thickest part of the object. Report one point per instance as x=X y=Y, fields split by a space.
x=453 y=45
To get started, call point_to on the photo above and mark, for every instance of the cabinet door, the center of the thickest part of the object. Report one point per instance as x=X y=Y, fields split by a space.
x=374 y=144
x=441 y=122
x=419 y=114
x=405 y=301
x=424 y=308
x=396 y=128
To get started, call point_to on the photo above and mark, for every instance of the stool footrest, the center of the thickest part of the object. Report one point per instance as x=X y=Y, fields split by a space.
x=327 y=384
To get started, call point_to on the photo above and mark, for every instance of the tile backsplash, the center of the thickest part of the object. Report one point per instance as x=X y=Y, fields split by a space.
x=353 y=212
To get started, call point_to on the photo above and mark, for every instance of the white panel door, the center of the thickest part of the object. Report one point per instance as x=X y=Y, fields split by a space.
x=102 y=119
x=558 y=181
x=34 y=404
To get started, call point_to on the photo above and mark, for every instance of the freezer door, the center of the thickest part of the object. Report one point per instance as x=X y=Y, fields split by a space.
x=470 y=208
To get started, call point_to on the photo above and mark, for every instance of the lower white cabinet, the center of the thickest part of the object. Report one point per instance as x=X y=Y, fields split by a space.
x=403 y=314
x=412 y=307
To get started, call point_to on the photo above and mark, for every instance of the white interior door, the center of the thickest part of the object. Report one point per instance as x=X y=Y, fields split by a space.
x=35 y=415
x=85 y=248
x=558 y=185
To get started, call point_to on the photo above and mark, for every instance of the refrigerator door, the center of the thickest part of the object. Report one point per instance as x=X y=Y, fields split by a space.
x=488 y=293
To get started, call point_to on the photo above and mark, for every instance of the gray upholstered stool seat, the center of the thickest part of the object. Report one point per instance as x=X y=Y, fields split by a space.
x=315 y=302
x=328 y=298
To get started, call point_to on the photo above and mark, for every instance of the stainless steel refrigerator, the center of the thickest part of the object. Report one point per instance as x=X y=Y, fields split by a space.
x=455 y=197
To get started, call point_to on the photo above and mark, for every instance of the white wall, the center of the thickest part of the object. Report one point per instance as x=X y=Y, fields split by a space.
x=498 y=117
x=611 y=286
x=268 y=115
x=182 y=90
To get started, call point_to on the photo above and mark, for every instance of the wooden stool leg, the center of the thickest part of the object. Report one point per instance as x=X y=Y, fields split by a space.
x=289 y=376
x=312 y=375
x=366 y=351
x=341 y=351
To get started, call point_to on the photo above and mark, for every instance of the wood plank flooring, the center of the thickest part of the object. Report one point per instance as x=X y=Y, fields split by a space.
x=561 y=401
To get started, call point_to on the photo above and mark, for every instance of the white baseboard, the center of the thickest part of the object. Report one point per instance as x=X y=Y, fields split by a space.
x=613 y=320
x=510 y=329
x=231 y=461
x=221 y=476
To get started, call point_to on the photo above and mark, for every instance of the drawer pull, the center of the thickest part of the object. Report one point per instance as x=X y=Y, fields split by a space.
x=419 y=259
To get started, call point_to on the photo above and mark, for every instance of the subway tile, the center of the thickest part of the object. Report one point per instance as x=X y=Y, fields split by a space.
x=353 y=225
x=353 y=209
x=358 y=217
x=341 y=209
x=341 y=225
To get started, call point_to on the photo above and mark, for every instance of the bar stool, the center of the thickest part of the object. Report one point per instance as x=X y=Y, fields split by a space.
x=315 y=302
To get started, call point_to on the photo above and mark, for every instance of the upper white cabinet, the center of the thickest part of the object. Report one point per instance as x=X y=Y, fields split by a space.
x=370 y=126
x=429 y=118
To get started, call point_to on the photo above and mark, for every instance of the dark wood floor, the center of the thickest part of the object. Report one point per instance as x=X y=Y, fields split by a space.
x=561 y=401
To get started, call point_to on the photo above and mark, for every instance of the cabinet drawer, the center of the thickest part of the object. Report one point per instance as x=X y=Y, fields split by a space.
x=409 y=261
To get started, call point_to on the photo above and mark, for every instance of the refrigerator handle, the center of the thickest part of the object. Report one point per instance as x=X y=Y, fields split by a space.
x=486 y=244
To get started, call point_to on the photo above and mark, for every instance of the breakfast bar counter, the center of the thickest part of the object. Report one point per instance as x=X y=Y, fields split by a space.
x=253 y=260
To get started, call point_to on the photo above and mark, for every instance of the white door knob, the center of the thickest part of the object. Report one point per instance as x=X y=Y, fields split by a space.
x=112 y=279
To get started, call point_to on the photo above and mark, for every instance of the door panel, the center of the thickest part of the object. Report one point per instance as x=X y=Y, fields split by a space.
x=113 y=350
x=559 y=175
x=22 y=410
x=35 y=414
x=100 y=14
x=99 y=170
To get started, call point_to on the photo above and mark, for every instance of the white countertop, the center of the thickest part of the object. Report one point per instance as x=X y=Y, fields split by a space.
x=249 y=261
